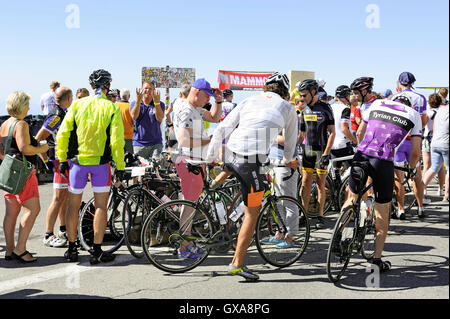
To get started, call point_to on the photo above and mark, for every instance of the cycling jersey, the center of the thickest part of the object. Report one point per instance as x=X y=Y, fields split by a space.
x=260 y=119
x=315 y=121
x=94 y=125
x=418 y=101
x=365 y=106
x=52 y=123
x=341 y=114
x=227 y=107
x=388 y=124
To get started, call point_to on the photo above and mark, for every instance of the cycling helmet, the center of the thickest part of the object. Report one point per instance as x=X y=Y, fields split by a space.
x=403 y=99
x=227 y=93
x=309 y=85
x=279 y=78
x=343 y=91
x=100 y=79
x=362 y=83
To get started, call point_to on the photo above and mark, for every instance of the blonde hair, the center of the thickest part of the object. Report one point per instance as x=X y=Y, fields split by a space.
x=16 y=103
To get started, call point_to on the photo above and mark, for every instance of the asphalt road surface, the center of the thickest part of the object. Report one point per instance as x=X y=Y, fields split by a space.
x=417 y=249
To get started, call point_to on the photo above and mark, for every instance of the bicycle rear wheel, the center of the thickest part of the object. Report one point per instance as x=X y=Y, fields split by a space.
x=341 y=244
x=269 y=222
x=114 y=234
x=161 y=236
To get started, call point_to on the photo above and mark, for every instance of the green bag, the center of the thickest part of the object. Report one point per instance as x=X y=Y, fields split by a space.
x=14 y=171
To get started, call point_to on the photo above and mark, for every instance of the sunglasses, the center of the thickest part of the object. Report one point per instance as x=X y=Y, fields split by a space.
x=304 y=95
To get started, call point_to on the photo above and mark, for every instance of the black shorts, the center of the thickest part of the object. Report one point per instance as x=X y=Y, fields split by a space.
x=382 y=174
x=311 y=160
x=248 y=171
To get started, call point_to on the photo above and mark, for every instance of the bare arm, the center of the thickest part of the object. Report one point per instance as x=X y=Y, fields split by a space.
x=136 y=110
x=159 y=114
x=345 y=130
x=23 y=141
x=361 y=131
x=214 y=115
x=330 y=139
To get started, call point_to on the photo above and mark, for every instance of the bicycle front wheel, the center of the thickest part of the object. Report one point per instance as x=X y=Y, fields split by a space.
x=341 y=244
x=270 y=221
x=165 y=242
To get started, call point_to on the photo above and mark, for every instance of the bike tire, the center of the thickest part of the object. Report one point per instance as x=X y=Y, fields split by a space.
x=340 y=247
x=313 y=207
x=162 y=252
x=368 y=245
x=113 y=238
x=267 y=225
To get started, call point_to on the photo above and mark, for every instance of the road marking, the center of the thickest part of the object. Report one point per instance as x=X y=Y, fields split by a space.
x=69 y=271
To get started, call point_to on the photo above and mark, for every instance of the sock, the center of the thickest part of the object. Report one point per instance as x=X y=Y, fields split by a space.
x=97 y=249
x=399 y=212
x=48 y=234
x=62 y=228
x=72 y=246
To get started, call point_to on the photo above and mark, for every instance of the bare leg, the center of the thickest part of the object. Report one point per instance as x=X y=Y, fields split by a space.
x=245 y=234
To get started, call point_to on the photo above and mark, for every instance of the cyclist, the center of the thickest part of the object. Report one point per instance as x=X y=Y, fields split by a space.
x=317 y=125
x=91 y=136
x=252 y=127
x=58 y=206
x=362 y=91
x=342 y=145
x=382 y=130
x=419 y=103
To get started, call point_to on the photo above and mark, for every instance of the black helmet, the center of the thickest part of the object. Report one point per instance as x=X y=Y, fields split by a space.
x=403 y=99
x=279 y=78
x=227 y=93
x=362 y=83
x=343 y=91
x=309 y=85
x=100 y=79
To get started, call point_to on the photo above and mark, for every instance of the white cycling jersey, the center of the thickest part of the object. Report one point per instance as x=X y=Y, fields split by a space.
x=260 y=119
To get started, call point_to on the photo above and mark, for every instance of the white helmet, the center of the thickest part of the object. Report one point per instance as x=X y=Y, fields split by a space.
x=278 y=78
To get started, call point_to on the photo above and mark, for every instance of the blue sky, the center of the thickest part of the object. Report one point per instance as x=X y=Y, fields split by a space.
x=330 y=38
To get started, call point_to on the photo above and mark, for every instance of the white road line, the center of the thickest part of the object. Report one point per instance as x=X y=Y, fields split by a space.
x=71 y=272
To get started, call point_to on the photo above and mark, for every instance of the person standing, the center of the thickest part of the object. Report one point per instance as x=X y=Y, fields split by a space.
x=22 y=143
x=124 y=106
x=91 y=135
x=252 y=127
x=147 y=113
x=58 y=206
x=48 y=99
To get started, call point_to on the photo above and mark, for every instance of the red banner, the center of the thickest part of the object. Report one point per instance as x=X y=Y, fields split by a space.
x=242 y=80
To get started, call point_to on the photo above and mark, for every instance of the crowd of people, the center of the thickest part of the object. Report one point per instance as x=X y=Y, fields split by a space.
x=303 y=128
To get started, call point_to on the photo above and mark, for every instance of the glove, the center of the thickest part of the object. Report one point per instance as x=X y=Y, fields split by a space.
x=118 y=175
x=63 y=168
x=325 y=160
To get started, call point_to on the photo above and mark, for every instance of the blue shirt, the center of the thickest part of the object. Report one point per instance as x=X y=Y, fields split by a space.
x=148 y=128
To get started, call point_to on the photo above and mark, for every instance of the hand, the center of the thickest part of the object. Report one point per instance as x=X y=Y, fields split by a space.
x=44 y=148
x=64 y=169
x=139 y=95
x=219 y=95
x=294 y=164
x=156 y=96
x=325 y=160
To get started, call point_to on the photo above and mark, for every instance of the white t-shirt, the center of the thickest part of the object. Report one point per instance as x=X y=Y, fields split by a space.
x=48 y=101
x=341 y=113
x=187 y=116
x=260 y=119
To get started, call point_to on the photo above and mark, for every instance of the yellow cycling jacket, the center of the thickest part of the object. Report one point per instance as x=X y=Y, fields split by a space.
x=96 y=127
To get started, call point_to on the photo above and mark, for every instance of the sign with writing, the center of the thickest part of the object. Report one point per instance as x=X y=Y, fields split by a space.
x=168 y=77
x=235 y=80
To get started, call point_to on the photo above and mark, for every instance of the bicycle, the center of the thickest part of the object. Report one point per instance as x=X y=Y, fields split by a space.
x=199 y=228
x=203 y=225
x=354 y=232
x=336 y=183
x=409 y=198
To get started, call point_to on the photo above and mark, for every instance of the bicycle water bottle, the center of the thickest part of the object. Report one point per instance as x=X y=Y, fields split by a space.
x=221 y=212
x=237 y=213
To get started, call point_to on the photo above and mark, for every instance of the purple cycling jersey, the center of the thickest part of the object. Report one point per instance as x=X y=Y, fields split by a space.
x=388 y=124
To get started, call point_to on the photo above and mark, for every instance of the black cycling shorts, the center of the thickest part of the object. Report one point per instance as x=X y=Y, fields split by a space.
x=248 y=171
x=382 y=174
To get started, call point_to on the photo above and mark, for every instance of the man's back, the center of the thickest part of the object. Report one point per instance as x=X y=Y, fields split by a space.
x=99 y=131
x=127 y=120
x=418 y=101
x=388 y=124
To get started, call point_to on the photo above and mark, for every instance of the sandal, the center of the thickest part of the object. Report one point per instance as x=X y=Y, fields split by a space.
x=20 y=257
